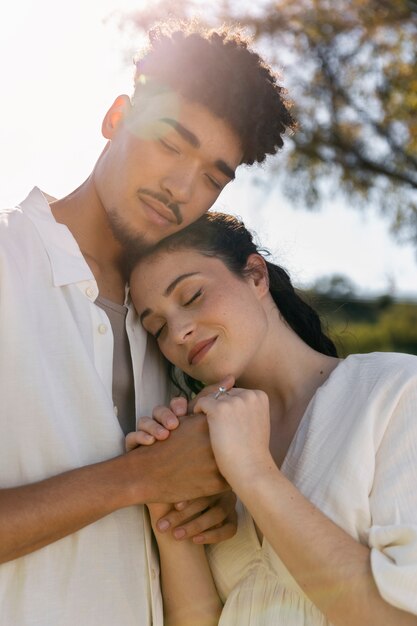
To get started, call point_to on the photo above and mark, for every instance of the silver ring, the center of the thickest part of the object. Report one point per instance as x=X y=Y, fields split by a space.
x=220 y=392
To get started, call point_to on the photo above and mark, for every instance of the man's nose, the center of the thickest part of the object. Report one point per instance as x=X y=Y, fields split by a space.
x=179 y=184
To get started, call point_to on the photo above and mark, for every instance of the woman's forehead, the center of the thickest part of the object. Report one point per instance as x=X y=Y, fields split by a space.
x=159 y=269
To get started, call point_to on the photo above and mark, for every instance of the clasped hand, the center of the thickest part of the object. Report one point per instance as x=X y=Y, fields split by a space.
x=239 y=427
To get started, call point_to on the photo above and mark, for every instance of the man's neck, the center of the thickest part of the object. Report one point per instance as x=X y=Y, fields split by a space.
x=83 y=214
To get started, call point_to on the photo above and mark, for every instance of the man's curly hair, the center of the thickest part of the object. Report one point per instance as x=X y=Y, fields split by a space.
x=216 y=68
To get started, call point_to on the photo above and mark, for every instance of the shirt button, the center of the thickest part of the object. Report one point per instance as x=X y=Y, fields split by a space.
x=116 y=410
x=90 y=292
x=102 y=329
x=153 y=574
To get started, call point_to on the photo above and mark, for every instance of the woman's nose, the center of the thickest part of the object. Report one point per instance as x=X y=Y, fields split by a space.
x=182 y=330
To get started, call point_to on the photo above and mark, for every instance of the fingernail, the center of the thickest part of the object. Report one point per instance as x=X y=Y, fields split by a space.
x=171 y=421
x=179 y=533
x=198 y=539
x=161 y=430
x=180 y=505
x=149 y=438
x=163 y=525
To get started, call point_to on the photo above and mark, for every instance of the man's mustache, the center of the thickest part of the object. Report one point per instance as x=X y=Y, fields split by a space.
x=172 y=206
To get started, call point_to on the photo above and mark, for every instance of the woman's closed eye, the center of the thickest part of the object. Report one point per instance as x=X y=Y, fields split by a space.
x=159 y=331
x=194 y=297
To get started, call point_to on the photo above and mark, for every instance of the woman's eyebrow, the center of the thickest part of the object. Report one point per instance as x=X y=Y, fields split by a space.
x=168 y=291
x=177 y=280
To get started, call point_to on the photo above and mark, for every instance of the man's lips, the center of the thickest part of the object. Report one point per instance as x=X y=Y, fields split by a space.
x=160 y=208
x=200 y=349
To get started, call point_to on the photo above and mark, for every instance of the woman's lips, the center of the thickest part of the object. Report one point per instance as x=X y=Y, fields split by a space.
x=200 y=350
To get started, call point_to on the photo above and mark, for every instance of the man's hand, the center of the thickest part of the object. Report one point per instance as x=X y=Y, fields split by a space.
x=204 y=520
x=180 y=468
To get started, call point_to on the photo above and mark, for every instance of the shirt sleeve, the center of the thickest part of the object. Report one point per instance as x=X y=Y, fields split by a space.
x=393 y=535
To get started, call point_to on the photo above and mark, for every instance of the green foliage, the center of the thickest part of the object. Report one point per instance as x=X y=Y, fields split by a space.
x=367 y=325
x=351 y=68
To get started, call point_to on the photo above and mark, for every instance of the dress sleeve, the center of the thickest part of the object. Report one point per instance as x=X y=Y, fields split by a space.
x=394 y=564
x=393 y=501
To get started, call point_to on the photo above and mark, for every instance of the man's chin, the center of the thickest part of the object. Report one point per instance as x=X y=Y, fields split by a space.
x=133 y=245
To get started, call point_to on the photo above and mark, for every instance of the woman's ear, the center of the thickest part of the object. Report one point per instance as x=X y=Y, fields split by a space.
x=257 y=272
x=117 y=112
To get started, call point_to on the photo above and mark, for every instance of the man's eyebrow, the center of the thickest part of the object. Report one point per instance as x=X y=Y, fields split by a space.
x=226 y=169
x=186 y=134
x=193 y=140
x=168 y=291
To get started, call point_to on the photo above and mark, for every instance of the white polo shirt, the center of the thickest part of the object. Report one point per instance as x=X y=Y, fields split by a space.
x=56 y=414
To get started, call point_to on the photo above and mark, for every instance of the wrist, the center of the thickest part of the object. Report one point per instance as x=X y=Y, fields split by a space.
x=251 y=474
x=127 y=476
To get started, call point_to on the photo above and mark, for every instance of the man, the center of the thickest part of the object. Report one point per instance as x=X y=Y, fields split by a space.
x=75 y=542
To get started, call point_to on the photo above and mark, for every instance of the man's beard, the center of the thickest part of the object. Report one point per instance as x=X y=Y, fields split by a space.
x=134 y=245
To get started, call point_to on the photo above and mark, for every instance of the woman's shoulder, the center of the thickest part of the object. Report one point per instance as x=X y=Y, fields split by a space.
x=387 y=368
x=368 y=390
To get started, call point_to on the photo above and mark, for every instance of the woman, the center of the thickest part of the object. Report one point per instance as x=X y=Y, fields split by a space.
x=321 y=452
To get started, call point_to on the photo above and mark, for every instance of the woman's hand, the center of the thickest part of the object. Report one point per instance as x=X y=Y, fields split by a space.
x=164 y=418
x=239 y=425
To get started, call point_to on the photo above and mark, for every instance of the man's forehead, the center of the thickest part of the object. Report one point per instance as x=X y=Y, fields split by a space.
x=161 y=112
x=149 y=110
x=156 y=107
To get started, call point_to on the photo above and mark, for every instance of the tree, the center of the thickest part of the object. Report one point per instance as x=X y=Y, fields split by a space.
x=351 y=68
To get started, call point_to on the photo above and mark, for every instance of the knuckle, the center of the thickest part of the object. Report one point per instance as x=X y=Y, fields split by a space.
x=174 y=518
x=197 y=506
x=159 y=411
x=196 y=526
x=142 y=420
x=178 y=403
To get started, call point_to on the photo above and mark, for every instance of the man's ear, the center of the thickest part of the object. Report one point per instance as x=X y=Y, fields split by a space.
x=117 y=112
x=257 y=273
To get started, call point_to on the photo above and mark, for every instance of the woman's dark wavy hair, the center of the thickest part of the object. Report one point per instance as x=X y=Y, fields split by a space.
x=217 y=69
x=226 y=238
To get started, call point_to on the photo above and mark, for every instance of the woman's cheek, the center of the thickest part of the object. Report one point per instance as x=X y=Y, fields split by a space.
x=172 y=354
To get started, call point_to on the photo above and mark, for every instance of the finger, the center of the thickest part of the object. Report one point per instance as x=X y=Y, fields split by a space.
x=176 y=518
x=207 y=404
x=180 y=506
x=215 y=535
x=164 y=416
x=149 y=426
x=213 y=518
x=227 y=382
x=135 y=439
x=227 y=500
x=179 y=406
x=210 y=404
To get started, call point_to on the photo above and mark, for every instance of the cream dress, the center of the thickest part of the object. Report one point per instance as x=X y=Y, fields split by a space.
x=355 y=457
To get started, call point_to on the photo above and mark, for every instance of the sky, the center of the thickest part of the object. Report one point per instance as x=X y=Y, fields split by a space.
x=63 y=63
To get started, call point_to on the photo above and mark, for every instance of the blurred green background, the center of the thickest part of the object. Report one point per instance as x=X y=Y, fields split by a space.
x=356 y=324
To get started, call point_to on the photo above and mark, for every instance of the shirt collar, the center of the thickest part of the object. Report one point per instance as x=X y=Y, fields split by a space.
x=67 y=262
